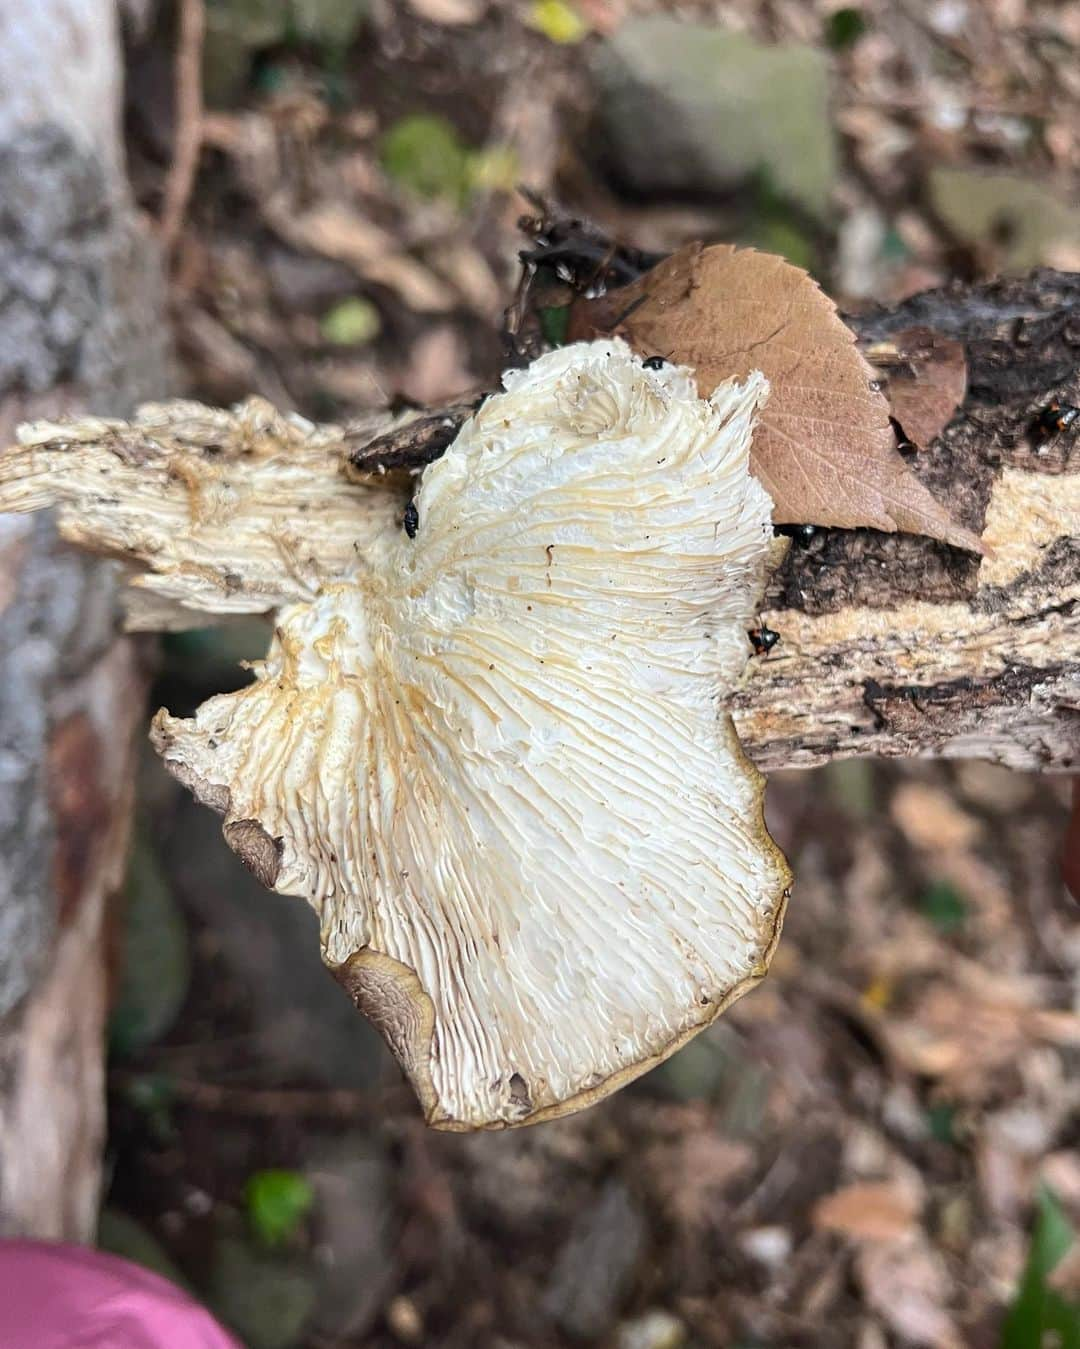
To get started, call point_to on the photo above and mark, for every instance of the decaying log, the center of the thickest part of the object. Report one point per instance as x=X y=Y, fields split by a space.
x=893 y=644
x=890 y=644
x=81 y=324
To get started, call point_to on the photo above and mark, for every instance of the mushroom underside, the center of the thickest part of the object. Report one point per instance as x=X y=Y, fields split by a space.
x=494 y=756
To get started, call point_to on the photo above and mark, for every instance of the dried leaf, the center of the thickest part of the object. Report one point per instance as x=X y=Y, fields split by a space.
x=693 y=1173
x=966 y=1038
x=925 y=380
x=333 y=231
x=449 y=12
x=930 y=818
x=824 y=448
x=868 y=1212
x=907 y=1285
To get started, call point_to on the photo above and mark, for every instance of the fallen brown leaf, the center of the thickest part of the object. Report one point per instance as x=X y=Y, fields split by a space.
x=868 y=1212
x=334 y=231
x=907 y=1285
x=930 y=818
x=825 y=449
x=693 y=1173
x=925 y=378
x=966 y=1038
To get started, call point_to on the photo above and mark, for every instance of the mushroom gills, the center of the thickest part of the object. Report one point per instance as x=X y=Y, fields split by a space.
x=494 y=756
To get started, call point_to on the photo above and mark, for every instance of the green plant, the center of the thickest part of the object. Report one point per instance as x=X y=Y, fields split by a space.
x=425 y=155
x=941 y=904
x=1040 y=1317
x=844 y=27
x=558 y=21
x=277 y=1202
x=351 y=323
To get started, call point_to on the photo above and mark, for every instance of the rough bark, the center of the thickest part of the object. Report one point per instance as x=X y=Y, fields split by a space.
x=80 y=324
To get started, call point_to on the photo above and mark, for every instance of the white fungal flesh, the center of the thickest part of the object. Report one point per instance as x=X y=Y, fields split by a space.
x=218 y=512
x=497 y=753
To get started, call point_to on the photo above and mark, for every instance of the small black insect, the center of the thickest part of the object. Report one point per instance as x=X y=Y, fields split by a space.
x=800 y=534
x=411 y=520
x=763 y=639
x=654 y=362
x=903 y=444
x=1055 y=417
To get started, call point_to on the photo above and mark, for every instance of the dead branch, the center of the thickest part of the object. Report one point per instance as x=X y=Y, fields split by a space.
x=897 y=645
x=189 y=111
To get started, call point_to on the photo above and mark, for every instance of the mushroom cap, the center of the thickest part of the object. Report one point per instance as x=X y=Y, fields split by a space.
x=495 y=759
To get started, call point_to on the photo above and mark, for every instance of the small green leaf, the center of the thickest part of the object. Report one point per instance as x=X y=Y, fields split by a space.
x=558 y=21
x=425 y=155
x=893 y=247
x=1053 y=1236
x=351 y=323
x=944 y=907
x=277 y=1202
x=1039 y=1316
x=554 y=321
x=941 y=1122
x=844 y=27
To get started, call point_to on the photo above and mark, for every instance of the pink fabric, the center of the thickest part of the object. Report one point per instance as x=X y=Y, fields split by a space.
x=54 y=1296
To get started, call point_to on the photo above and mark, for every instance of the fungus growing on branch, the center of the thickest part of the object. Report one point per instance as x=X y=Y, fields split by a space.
x=494 y=756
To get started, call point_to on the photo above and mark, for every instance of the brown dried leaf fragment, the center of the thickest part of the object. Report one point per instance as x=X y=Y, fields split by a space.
x=868 y=1211
x=824 y=447
x=925 y=378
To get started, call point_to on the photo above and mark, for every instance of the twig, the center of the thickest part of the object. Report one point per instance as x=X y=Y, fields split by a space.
x=267 y=1102
x=189 y=110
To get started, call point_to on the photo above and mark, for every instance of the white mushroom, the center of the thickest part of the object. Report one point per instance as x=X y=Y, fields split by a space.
x=494 y=757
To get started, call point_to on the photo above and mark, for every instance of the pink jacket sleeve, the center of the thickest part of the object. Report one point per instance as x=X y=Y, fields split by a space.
x=54 y=1296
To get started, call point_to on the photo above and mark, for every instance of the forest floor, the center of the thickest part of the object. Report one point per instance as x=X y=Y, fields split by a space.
x=853 y=1157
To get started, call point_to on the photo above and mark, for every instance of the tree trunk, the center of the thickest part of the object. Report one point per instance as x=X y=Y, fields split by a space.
x=81 y=324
